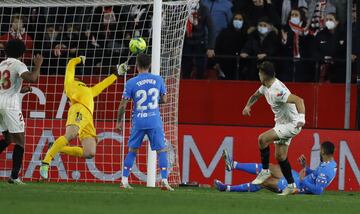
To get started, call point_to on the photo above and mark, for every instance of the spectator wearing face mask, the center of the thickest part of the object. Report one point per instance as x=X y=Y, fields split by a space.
x=285 y=6
x=330 y=48
x=295 y=42
x=228 y=47
x=261 y=44
x=316 y=14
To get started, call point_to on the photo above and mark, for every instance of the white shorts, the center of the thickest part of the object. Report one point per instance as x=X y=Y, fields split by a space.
x=286 y=132
x=12 y=121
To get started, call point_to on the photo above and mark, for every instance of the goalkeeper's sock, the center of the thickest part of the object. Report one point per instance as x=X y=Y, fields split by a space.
x=163 y=164
x=286 y=170
x=265 y=156
x=252 y=168
x=128 y=163
x=247 y=187
x=73 y=151
x=17 y=161
x=55 y=148
x=3 y=145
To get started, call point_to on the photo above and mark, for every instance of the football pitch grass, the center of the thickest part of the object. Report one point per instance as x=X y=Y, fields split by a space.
x=64 y=198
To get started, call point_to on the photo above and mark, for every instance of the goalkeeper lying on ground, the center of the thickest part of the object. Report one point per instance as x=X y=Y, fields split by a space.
x=80 y=116
x=307 y=181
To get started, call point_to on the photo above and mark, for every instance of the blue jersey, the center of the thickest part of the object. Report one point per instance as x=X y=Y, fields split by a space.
x=317 y=180
x=145 y=90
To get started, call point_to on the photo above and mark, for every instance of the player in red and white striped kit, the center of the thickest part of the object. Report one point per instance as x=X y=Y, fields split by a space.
x=12 y=126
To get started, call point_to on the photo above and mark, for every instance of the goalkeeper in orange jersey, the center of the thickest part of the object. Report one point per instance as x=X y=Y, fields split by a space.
x=80 y=116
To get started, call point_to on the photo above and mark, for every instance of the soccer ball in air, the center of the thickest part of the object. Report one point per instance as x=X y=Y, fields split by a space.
x=137 y=45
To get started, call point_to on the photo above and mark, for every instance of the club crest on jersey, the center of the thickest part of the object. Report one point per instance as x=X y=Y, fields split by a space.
x=280 y=94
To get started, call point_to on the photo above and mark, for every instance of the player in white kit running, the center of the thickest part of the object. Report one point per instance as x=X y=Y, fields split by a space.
x=289 y=111
x=12 y=126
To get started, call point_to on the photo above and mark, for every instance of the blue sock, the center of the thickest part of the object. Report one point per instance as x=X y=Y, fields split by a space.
x=128 y=163
x=163 y=164
x=252 y=168
x=247 y=187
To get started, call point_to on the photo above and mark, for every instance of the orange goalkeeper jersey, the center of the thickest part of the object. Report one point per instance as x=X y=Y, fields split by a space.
x=78 y=92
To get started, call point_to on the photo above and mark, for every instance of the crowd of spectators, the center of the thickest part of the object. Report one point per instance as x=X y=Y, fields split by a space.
x=100 y=33
x=224 y=39
x=305 y=39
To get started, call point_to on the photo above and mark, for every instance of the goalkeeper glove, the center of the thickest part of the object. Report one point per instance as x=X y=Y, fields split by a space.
x=122 y=68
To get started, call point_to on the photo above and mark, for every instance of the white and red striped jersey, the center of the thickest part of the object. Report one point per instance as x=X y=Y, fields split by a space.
x=11 y=83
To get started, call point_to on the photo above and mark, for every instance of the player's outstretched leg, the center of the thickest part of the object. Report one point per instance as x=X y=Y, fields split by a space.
x=246 y=187
x=163 y=165
x=51 y=153
x=229 y=163
x=220 y=186
x=74 y=151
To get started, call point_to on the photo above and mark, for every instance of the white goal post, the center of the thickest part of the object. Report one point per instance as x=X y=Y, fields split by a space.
x=101 y=31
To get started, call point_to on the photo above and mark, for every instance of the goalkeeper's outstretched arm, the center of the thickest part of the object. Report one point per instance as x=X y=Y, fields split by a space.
x=120 y=70
x=98 y=88
x=70 y=71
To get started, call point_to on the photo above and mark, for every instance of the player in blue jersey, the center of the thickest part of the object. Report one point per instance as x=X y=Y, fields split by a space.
x=147 y=91
x=308 y=181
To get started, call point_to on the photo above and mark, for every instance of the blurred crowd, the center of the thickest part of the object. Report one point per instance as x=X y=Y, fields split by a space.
x=100 y=33
x=306 y=39
x=224 y=39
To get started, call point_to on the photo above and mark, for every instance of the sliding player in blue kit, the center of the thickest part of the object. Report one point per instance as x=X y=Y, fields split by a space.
x=308 y=181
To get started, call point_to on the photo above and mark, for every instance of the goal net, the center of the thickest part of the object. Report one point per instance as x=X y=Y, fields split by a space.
x=100 y=30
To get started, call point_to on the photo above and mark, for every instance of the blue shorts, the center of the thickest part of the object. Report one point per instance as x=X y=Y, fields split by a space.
x=282 y=184
x=156 y=137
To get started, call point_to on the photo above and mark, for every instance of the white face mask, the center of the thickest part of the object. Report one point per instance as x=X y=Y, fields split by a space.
x=237 y=24
x=330 y=25
x=263 y=30
x=295 y=20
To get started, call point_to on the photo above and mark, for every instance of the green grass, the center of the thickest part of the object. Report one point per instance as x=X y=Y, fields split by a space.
x=64 y=198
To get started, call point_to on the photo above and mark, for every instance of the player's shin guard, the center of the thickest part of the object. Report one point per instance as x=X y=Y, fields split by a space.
x=17 y=161
x=286 y=170
x=128 y=163
x=3 y=145
x=247 y=187
x=58 y=145
x=252 y=168
x=265 y=156
x=163 y=164
x=73 y=151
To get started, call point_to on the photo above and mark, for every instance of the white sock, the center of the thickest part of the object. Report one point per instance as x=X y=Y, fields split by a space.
x=234 y=164
x=124 y=180
x=227 y=188
x=165 y=181
x=293 y=185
